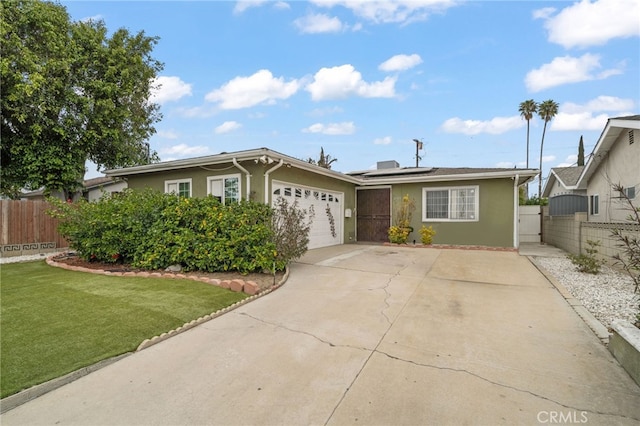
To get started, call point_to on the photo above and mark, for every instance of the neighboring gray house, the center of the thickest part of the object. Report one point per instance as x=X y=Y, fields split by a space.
x=562 y=191
x=563 y=180
x=615 y=160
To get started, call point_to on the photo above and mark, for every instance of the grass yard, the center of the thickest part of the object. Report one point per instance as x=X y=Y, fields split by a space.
x=55 y=321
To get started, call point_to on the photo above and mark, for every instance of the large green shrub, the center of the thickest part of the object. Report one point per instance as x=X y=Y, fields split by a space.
x=202 y=234
x=110 y=229
x=152 y=230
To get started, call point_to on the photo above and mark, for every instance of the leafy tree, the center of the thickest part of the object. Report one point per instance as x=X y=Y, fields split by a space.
x=581 y=152
x=70 y=93
x=527 y=109
x=324 y=160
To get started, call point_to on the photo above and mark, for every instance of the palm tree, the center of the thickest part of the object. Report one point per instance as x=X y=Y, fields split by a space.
x=546 y=110
x=527 y=109
x=324 y=160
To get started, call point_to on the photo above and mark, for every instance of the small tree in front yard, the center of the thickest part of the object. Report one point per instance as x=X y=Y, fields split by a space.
x=290 y=226
x=629 y=258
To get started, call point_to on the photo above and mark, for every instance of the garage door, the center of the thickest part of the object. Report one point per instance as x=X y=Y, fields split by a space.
x=326 y=227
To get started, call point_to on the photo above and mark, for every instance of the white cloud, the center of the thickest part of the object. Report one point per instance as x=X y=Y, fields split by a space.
x=282 y=5
x=228 y=126
x=345 y=128
x=397 y=11
x=565 y=70
x=548 y=158
x=578 y=121
x=167 y=134
x=601 y=103
x=318 y=23
x=495 y=126
x=400 y=63
x=594 y=23
x=505 y=164
x=169 y=88
x=184 y=150
x=94 y=18
x=243 y=5
x=383 y=141
x=259 y=88
x=544 y=13
x=591 y=115
x=344 y=81
x=197 y=112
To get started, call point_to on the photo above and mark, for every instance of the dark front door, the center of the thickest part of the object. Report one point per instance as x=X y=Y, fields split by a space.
x=373 y=214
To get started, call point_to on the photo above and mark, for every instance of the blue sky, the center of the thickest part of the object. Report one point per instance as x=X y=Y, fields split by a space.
x=364 y=78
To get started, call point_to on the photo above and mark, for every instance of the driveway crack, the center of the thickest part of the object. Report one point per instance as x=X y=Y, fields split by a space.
x=536 y=395
x=306 y=333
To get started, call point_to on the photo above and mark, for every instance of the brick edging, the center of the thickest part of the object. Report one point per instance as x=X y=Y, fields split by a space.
x=453 y=246
x=238 y=285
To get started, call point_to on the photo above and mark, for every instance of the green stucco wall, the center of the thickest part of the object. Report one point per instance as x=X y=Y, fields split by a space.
x=494 y=227
x=257 y=171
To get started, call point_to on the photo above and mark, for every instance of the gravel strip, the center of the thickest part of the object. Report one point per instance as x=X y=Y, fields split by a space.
x=28 y=258
x=608 y=295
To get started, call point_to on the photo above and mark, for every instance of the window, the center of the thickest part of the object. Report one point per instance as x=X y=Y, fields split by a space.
x=630 y=192
x=180 y=187
x=450 y=204
x=594 y=204
x=225 y=188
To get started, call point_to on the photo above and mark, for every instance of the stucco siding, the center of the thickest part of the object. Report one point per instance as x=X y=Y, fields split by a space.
x=619 y=166
x=494 y=227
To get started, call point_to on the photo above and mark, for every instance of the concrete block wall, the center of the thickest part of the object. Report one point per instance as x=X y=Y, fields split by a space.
x=564 y=232
x=571 y=233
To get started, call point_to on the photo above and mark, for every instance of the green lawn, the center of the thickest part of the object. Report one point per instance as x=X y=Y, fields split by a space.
x=56 y=321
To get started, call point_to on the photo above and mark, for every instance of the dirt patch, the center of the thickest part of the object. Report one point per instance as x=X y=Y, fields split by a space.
x=264 y=281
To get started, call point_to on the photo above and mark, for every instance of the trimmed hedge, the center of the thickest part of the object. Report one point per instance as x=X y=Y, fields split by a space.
x=152 y=230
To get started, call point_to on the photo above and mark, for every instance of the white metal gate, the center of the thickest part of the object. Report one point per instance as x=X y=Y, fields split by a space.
x=529 y=226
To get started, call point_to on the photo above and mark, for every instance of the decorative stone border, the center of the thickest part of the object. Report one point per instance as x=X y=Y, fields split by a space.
x=248 y=287
x=237 y=285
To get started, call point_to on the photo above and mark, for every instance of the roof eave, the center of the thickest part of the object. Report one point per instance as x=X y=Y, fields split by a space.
x=524 y=176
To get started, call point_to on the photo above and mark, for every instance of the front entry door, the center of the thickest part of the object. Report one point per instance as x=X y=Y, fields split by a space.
x=373 y=214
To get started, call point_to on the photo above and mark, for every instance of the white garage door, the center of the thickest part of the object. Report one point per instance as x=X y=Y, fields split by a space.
x=326 y=227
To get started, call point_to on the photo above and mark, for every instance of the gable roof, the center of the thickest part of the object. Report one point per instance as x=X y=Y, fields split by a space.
x=367 y=177
x=613 y=129
x=271 y=156
x=567 y=177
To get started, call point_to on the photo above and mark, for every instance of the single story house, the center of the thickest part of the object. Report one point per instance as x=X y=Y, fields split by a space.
x=92 y=189
x=466 y=206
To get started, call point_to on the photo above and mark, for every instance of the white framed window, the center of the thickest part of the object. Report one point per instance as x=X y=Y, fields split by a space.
x=594 y=204
x=451 y=204
x=225 y=188
x=180 y=187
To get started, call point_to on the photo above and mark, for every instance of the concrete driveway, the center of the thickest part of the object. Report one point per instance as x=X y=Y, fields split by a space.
x=369 y=335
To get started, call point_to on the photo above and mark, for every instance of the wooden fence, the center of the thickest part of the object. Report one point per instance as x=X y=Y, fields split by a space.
x=28 y=229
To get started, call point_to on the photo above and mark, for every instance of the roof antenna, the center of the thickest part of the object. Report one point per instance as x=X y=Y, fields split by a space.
x=418 y=148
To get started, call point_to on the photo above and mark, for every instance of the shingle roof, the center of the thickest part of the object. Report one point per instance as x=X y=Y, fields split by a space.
x=568 y=176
